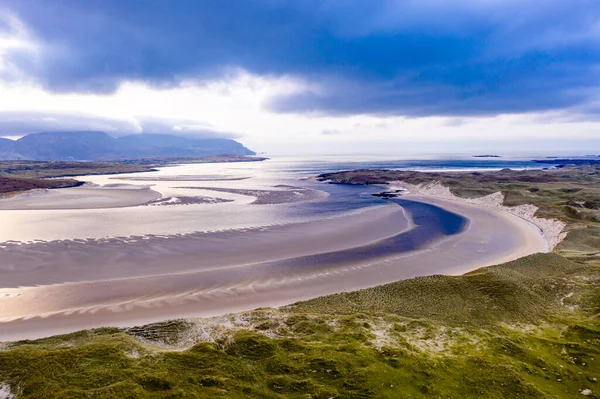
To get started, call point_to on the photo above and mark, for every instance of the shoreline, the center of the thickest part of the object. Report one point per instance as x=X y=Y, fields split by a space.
x=492 y=235
x=550 y=229
x=530 y=238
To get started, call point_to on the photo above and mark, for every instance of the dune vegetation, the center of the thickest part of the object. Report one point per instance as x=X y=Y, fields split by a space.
x=525 y=329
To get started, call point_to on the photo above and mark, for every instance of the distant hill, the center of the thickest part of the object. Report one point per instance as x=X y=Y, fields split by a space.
x=92 y=145
x=8 y=149
x=152 y=145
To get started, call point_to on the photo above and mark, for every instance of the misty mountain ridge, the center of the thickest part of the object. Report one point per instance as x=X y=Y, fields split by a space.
x=96 y=145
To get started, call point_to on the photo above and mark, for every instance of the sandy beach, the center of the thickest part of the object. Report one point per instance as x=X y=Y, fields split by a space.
x=84 y=197
x=62 y=286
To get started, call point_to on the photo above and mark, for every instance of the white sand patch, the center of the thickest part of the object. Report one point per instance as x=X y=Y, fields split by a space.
x=562 y=300
x=220 y=329
x=435 y=341
x=551 y=229
x=383 y=337
x=525 y=328
x=440 y=341
x=134 y=353
x=5 y=392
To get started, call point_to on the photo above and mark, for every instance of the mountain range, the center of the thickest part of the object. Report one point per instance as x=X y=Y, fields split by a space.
x=94 y=145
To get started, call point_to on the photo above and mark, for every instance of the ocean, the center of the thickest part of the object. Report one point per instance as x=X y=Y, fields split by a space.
x=180 y=180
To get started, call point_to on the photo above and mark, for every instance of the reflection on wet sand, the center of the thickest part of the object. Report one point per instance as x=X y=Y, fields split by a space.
x=265 y=267
x=207 y=256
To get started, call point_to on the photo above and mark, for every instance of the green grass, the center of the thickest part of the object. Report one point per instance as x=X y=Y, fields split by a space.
x=525 y=329
x=505 y=363
x=516 y=291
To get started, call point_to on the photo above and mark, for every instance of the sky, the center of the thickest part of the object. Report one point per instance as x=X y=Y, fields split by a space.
x=309 y=76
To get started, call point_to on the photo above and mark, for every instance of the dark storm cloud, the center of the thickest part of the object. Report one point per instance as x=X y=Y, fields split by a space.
x=415 y=58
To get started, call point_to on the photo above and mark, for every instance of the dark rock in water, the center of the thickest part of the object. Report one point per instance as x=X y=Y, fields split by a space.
x=389 y=194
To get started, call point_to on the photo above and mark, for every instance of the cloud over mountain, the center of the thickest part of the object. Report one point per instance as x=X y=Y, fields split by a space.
x=22 y=123
x=97 y=145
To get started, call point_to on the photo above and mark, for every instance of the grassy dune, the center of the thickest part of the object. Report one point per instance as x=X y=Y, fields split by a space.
x=524 y=329
x=517 y=291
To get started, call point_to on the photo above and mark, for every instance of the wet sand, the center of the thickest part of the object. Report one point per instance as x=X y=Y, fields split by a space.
x=84 y=197
x=127 y=195
x=183 y=178
x=282 y=195
x=75 y=284
x=68 y=261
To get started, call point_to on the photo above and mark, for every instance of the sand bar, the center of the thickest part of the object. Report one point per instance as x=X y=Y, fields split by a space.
x=183 y=178
x=84 y=197
x=283 y=194
x=68 y=261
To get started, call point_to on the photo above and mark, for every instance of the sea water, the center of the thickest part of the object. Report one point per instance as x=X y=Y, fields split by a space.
x=171 y=181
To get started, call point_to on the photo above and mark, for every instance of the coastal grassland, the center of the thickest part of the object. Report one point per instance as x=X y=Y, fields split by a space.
x=570 y=193
x=525 y=329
